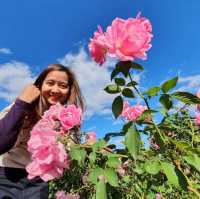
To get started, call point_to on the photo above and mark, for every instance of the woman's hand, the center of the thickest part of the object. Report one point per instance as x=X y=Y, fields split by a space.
x=29 y=94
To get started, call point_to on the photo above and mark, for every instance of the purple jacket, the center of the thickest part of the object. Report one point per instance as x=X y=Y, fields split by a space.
x=11 y=123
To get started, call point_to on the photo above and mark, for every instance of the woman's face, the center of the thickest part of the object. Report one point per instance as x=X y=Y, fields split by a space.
x=55 y=87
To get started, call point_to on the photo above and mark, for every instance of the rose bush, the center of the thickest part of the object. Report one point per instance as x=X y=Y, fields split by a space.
x=170 y=166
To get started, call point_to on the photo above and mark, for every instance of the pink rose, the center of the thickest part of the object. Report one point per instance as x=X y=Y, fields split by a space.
x=53 y=112
x=131 y=113
x=197 y=119
x=90 y=137
x=70 y=116
x=198 y=105
x=158 y=196
x=63 y=195
x=125 y=39
x=97 y=46
x=49 y=162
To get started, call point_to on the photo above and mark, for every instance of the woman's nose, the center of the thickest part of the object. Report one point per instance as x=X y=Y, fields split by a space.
x=55 y=89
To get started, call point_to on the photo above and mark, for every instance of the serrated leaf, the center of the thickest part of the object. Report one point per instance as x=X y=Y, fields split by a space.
x=101 y=192
x=169 y=84
x=111 y=177
x=169 y=171
x=112 y=89
x=92 y=157
x=186 y=97
x=99 y=145
x=117 y=106
x=132 y=141
x=152 y=166
x=166 y=101
x=132 y=83
x=120 y=81
x=193 y=160
x=152 y=91
x=94 y=174
x=113 y=162
x=127 y=92
x=78 y=154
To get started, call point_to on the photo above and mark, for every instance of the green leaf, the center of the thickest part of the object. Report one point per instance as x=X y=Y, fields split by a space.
x=127 y=92
x=111 y=177
x=132 y=83
x=152 y=166
x=132 y=141
x=152 y=91
x=92 y=157
x=120 y=81
x=112 y=89
x=166 y=101
x=124 y=67
x=117 y=106
x=186 y=97
x=99 y=145
x=78 y=154
x=114 y=73
x=94 y=174
x=169 y=84
x=101 y=192
x=169 y=171
x=193 y=160
x=113 y=162
x=145 y=114
x=136 y=66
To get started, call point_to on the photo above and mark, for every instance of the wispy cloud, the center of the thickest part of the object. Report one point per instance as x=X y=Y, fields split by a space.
x=13 y=77
x=190 y=83
x=5 y=51
x=92 y=79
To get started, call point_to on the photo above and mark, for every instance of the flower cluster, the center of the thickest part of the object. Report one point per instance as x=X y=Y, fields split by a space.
x=63 y=195
x=125 y=39
x=49 y=157
x=197 y=116
x=131 y=113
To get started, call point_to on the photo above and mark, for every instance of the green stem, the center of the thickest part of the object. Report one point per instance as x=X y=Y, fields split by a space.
x=138 y=92
x=147 y=104
x=193 y=133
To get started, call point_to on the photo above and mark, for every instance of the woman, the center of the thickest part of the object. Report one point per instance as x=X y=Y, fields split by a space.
x=55 y=84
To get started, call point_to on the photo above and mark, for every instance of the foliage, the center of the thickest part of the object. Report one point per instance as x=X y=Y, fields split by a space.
x=169 y=167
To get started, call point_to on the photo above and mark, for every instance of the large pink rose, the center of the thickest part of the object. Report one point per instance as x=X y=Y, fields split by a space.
x=198 y=95
x=49 y=162
x=129 y=39
x=131 y=113
x=70 y=116
x=125 y=39
x=97 y=46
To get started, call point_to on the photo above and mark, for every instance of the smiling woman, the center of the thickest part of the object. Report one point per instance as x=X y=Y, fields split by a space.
x=56 y=84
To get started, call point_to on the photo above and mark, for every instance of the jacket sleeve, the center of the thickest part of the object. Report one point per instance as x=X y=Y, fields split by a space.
x=11 y=123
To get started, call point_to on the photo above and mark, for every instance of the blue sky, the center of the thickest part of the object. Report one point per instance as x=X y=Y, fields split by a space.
x=36 y=33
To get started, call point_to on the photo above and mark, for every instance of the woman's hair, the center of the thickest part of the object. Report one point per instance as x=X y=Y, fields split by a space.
x=74 y=95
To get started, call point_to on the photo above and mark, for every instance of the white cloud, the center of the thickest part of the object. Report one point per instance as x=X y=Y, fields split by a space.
x=190 y=83
x=92 y=80
x=13 y=77
x=5 y=51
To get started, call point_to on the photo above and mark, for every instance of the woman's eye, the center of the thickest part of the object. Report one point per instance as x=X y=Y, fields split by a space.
x=63 y=86
x=49 y=83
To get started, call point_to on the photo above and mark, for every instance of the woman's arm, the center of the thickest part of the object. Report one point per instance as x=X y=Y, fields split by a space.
x=11 y=123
